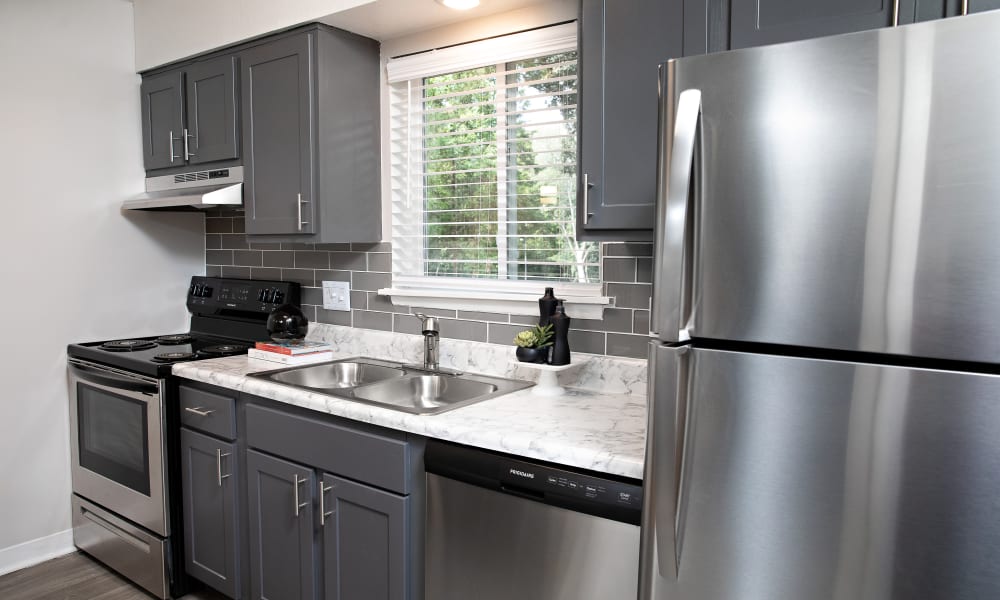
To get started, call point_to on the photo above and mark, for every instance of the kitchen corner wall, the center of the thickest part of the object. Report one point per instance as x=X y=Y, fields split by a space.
x=75 y=268
x=627 y=269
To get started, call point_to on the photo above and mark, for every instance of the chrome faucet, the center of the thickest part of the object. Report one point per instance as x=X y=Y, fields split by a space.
x=429 y=328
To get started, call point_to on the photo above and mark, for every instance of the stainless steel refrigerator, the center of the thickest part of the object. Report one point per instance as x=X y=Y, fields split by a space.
x=824 y=389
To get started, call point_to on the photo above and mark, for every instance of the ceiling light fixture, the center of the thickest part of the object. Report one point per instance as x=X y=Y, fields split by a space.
x=459 y=4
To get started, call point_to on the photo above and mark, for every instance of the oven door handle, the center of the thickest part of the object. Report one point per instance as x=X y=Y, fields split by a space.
x=113 y=378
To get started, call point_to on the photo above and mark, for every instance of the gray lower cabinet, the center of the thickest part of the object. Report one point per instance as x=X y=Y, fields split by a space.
x=189 y=114
x=311 y=137
x=210 y=481
x=282 y=552
x=364 y=541
x=335 y=507
x=621 y=43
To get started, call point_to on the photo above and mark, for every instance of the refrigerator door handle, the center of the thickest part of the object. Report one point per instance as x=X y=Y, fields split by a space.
x=674 y=250
x=660 y=555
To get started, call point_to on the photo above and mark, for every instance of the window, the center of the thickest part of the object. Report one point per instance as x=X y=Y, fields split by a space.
x=483 y=169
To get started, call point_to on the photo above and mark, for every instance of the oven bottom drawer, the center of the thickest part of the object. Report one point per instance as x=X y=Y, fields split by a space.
x=136 y=554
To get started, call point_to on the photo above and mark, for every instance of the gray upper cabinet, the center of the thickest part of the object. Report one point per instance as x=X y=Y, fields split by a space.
x=189 y=115
x=975 y=6
x=277 y=133
x=364 y=541
x=760 y=22
x=310 y=118
x=209 y=486
x=162 y=100
x=282 y=550
x=621 y=45
x=211 y=111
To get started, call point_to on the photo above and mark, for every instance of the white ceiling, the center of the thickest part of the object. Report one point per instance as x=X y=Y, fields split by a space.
x=387 y=19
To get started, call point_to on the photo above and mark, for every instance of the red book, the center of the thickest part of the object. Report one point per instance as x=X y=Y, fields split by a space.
x=294 y=349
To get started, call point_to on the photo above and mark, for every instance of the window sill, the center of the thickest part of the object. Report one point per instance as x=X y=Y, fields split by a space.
x=577 y=307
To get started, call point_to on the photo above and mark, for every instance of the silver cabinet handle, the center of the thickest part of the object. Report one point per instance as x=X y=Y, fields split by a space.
x=201 y=412
x=586 y=198
x=218 y=465
x=187 y=152
x=300 y=203
x=965 y=7
x=895 y=13
x=172 y=138
x=296 y=482
x=322 y=505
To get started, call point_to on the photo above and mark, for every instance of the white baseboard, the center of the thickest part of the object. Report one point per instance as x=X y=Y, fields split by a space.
x=37 y=551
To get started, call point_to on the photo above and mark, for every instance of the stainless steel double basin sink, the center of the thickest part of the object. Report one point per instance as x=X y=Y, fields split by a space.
x=392 y=385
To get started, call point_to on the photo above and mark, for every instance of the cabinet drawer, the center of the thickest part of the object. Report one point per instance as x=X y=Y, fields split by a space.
x=208 y=412
x=381 y=458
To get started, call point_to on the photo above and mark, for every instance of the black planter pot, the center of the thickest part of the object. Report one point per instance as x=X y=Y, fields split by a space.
x=532 y=355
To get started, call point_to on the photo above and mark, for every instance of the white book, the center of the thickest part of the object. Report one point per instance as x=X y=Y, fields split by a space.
x=286 y=359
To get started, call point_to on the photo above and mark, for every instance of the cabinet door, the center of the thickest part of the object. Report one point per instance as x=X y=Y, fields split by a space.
x=622 y=42
x=162 y=100
x=282 y=552
x=978 y=6
x=211 y=539
x=760 y=22
x=278 y=145
x=364 y=542
x=211 y=111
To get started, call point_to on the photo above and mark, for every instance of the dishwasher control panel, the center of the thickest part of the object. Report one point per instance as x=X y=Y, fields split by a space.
x=566 y=483
x=601 y=495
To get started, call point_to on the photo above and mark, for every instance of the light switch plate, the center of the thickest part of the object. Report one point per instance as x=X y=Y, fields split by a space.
x=336 y=295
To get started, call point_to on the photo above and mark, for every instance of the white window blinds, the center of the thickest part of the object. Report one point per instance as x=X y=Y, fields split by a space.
x=483 y=165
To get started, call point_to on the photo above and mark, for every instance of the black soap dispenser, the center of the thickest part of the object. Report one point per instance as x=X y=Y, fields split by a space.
x=560 y=326
x=546 y=307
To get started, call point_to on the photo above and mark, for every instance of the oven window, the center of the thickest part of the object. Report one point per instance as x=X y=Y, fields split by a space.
x=113 y=437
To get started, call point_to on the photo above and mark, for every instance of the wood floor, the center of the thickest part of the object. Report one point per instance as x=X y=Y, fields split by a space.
x=75 y=577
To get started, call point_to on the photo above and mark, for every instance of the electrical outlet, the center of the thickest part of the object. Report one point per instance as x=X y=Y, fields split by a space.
x=336 y=295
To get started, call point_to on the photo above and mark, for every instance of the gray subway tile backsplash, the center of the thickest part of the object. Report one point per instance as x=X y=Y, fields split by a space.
x=312 y=259
x=219 y=257
x=627 y=270
x=248 y=258
x=633 y=346
x=367 y=319
x=631 y=295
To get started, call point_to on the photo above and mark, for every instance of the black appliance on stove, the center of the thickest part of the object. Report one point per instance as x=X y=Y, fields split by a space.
x=125 y=428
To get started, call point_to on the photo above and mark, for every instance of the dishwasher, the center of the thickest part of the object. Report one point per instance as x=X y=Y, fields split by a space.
x=501 y=527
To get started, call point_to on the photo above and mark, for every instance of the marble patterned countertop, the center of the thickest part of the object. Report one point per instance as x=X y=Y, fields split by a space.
x=591 y=429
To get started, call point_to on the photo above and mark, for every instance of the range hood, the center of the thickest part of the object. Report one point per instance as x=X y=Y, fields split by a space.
x=191 y=191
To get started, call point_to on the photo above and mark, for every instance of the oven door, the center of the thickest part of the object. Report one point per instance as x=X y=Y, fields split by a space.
x=117 y=438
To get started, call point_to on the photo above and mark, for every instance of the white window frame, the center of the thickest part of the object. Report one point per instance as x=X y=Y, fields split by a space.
x=583 y=300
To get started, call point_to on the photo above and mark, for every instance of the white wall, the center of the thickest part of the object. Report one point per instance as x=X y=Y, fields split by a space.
x=166 y=31
x=74 y=268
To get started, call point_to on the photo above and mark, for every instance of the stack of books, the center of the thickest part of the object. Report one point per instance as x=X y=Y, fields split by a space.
x=289 y=353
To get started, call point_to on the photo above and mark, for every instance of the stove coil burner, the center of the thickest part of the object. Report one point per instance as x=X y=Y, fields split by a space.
x=173 y=340
x=223 y=350
x=171 y=357
x=128 y=345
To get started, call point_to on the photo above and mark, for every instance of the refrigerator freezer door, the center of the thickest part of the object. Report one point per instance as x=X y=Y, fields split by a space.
x=798 y=479
x=845 y=193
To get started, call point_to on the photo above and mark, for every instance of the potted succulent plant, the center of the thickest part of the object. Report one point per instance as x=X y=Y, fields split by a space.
x=533 y=344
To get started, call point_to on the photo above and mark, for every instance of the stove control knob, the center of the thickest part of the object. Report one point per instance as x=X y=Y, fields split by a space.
x=206 y=292
x=269 y=297
x=261 y=294
x=278 y=297
x=192 y=289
